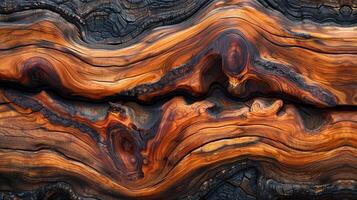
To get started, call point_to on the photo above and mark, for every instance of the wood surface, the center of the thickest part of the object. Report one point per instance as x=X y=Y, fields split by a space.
x=178 y=99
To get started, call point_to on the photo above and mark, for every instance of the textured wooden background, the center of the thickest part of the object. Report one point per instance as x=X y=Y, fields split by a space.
x=178 y=99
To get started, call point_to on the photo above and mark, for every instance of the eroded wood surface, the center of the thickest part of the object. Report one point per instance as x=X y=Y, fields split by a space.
x=161 y=99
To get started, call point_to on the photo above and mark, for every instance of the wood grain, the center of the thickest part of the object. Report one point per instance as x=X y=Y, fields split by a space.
x=239 y=99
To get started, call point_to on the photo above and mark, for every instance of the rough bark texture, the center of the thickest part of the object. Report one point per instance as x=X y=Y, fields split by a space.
x=178 y=99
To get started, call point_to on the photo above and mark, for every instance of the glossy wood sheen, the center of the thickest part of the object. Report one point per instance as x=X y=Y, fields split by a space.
x=213 y=100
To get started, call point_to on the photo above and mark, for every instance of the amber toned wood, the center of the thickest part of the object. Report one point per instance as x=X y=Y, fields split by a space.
x=240 y=99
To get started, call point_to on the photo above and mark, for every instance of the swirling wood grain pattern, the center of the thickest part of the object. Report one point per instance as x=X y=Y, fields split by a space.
x=165 y=99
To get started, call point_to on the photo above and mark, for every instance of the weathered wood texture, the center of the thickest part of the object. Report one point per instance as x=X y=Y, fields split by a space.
x=178 y=99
